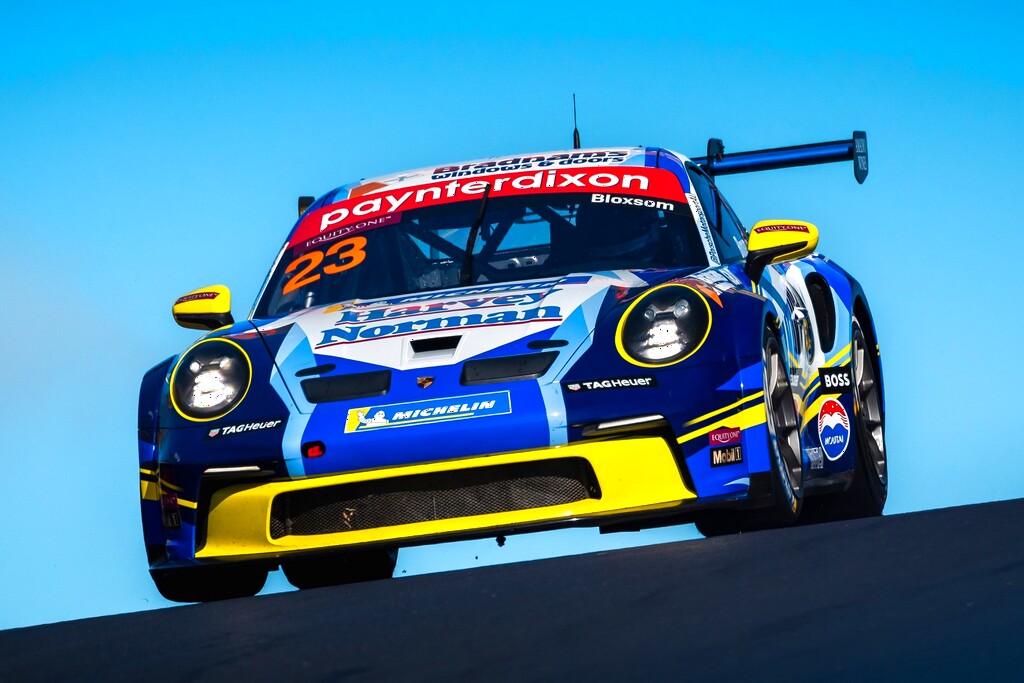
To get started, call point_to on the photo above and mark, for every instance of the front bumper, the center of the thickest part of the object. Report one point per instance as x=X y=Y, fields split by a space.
x=444 y=500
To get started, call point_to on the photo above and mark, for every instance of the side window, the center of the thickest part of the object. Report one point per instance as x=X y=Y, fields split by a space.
x=727 y=230
x=732 y=230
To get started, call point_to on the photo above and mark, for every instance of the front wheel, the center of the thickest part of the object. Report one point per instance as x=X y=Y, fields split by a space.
x=783 y=434
x=783 y=447
x=350 y=567
x=207 y=584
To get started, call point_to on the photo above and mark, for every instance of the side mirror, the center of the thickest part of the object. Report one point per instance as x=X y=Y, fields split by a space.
x=207 y=308
x=777 y=242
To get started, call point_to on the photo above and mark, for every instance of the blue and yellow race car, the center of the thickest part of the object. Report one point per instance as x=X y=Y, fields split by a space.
x=585 y=337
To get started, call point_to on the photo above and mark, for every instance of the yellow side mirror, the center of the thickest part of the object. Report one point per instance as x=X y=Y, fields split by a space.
x=777 y=242
x=206 y=308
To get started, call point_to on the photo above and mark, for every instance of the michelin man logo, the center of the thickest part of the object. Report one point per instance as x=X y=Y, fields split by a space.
x=378 y=418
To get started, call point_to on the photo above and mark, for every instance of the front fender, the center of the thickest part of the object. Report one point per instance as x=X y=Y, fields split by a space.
x=150 y=394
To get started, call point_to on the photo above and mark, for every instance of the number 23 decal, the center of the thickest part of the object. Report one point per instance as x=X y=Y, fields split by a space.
x=347 y=254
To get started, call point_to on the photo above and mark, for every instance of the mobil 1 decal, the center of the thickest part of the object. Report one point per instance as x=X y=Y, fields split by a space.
x=835 y=380
x=726 y=446
x=833 y=428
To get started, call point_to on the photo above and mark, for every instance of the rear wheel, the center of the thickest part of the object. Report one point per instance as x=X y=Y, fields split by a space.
x=870 y=488
x=351 y=567
x=207 y=584
x=784 y=449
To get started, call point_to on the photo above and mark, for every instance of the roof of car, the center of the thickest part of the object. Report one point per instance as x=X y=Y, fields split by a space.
x=510 y=163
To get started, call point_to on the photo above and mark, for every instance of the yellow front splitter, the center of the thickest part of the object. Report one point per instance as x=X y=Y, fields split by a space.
x=634 y=475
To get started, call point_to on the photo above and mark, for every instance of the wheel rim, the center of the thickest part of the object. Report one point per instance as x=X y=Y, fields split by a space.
x=783 y=425
x=867 y=405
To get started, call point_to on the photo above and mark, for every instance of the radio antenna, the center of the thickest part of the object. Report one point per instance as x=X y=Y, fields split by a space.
x=575 y=130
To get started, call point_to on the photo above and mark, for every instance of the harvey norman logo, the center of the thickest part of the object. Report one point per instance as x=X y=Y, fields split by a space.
x=359 y=325
x=423 y=412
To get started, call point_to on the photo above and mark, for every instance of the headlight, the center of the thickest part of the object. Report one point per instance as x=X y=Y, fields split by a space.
x=210 y=379
x=664 y=326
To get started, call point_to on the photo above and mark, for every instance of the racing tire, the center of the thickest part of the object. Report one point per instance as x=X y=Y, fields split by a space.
x=350 y=567
x=208 y=584
x=870 y=487
x=784 y=448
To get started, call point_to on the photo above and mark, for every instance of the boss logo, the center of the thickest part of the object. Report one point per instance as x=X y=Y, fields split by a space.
x=835 y=380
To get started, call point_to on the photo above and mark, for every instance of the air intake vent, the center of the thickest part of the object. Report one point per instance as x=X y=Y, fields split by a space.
x=507 y=368
x=317 y=370
x=430 y=497
x=435 y=344
x=541 y=344
x=824 y=310
x=346 y=387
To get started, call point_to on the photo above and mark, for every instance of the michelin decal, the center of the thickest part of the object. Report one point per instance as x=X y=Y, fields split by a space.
x=434 y=410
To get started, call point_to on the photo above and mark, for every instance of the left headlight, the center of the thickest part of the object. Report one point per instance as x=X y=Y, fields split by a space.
x=664 y=326
x=210 y=379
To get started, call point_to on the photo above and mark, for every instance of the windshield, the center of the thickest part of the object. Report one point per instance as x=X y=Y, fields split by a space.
x=523 y=236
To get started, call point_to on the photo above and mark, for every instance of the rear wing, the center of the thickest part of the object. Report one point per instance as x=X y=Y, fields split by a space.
x=719 y=163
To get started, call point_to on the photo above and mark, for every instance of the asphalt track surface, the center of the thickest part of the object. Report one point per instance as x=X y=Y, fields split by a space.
x=935 y=595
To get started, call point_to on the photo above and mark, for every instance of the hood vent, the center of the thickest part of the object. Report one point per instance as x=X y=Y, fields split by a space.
x=316 y=370
x=507 y=368
x=346 y=387
x=540 y=344
x=433 y=344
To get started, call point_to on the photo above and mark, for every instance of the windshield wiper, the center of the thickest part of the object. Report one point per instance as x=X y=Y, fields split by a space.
x=466 y=274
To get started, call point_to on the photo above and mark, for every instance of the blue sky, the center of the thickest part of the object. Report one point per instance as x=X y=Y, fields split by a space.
x=147 y=151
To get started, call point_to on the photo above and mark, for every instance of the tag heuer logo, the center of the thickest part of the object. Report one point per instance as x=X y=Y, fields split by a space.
x=638 y=382
x=228 y=430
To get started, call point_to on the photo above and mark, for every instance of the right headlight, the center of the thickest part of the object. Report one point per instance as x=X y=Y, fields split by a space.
x=210 y=380
x=664 y=326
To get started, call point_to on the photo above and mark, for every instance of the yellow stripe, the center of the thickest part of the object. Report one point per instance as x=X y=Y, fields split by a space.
x=170 y=486
x=811 y=411
x=749 y=417
x=143 y=470
x=745 y=399
x=836 y=358
x=187 y=503
x=149 y=490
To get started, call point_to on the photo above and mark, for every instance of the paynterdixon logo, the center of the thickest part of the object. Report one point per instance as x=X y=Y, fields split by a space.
x=433 y=410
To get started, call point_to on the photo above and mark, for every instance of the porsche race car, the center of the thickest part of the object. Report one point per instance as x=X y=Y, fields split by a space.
x=581 y=337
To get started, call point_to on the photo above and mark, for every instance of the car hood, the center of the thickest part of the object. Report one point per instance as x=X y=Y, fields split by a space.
x=431 y=329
